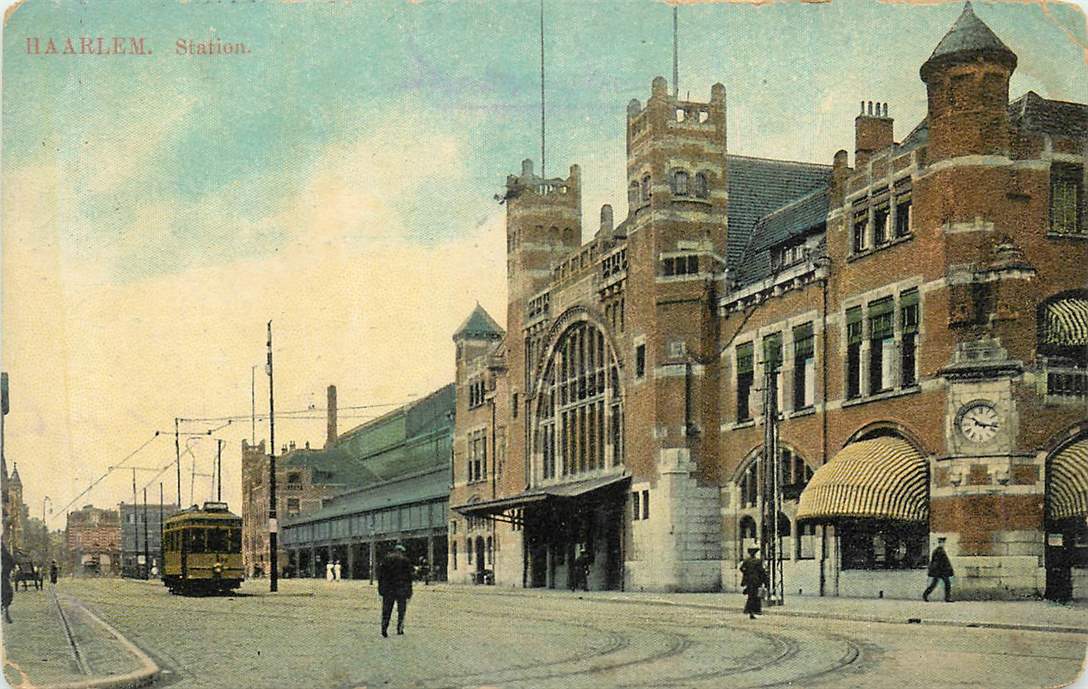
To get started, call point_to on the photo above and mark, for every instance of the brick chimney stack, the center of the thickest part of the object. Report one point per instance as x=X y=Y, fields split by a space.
x=330 y=438
x=872 y=132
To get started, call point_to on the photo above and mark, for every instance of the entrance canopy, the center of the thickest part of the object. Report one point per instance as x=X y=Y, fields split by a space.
x=882 y=478
x=1068 y=490
x=1065 y=323
x=560 y=493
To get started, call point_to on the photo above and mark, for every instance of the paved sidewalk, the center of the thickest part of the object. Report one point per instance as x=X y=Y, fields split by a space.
x=1036 y=615
x=68 y=648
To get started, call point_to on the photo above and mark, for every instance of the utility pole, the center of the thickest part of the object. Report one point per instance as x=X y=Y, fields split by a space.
x=161 y=562
x=135 y=525
x=273 y=527
x=219 y=469
x=253 y=404
x=177 y=457
x=147 y=547
x=771 y=485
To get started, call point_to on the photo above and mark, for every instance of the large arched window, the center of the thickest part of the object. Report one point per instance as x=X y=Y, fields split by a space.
x=579 y=421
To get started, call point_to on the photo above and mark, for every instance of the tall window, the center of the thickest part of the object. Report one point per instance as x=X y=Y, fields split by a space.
x=646 y=188
x=579 y=415
x=804 y=367
x=881 y=214
x=908 y=324
x=881 y=344
x=861 y=222
x=702 y=188
x=1067 y=199
x=902 y=213
x=853 y=353
x=640 y=361
x=745 y=376
x=680 y=183
x=477 y=456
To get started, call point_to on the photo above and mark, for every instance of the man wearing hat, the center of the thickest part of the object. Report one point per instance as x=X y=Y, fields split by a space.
x=394 y=586
x=940 y=568
x=752 y=578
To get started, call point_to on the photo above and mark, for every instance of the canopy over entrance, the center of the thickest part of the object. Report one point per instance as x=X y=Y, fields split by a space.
x=538 y=496
x=882 y=478
x=1068 y=482
x=1065 y=323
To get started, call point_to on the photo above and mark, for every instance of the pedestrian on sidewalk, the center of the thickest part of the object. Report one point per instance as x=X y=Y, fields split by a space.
x=752 y=578
x=940 y=569
x=8 y=592
x=53 y=572
x=336 y=571
x=330 y=575
x=394 y=587
x=582 y=564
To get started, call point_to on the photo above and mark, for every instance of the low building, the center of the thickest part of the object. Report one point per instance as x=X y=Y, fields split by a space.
x=93 y=540
x=403 y=462
x=134 y=534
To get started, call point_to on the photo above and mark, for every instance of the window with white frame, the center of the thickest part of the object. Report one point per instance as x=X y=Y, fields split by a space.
x=881 y=345
x=804 y=367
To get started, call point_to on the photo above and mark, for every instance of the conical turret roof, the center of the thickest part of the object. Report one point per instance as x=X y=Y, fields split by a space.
x=15 y=475
x=479 y=325
x=968 y=38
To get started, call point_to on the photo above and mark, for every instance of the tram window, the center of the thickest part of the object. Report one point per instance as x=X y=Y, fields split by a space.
x=217 y=540
x=235 y=540
x=196 y=540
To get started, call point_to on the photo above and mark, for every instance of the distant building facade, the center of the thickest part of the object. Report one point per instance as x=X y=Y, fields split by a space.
x=134 y=533
x=401 y=474
x=15 y=511
x=918 y=322
x=93 y=540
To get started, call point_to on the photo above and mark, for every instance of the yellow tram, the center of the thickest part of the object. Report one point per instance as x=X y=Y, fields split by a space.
x=202 y=550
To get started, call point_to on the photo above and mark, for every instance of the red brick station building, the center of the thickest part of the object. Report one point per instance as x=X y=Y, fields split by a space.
x=918 y=321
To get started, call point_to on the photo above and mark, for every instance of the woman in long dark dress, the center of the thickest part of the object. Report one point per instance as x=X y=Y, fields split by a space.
x=8 y=592
x=753 y=577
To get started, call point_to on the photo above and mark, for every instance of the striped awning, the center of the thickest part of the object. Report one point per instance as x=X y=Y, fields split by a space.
x=882 y=478
x=1065 y=323
x=1068 y=482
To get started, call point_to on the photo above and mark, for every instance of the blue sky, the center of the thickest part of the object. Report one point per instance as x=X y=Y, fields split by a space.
x=340 y=178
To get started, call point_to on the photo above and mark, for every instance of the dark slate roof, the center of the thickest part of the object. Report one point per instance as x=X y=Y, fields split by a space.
x=413 y=438
x=410 y=489
x=969 y=36
x=479 y=325
x=1031 y=112
x=798 y=218
x=758 y=186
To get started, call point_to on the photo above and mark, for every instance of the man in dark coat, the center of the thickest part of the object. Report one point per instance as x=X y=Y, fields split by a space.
x=8 y=592
x=752 y=578
x=53 y=572
x=582 y=564
x=940 y=569
x=394 y=586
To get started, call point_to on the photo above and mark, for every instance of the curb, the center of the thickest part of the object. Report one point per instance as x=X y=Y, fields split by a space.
x=811 y=614
x=146 y=674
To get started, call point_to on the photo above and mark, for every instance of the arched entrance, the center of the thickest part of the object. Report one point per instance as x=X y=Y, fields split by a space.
x=1066 y=549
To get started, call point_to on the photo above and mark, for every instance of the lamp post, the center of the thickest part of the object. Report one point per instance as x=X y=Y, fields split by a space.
x=273 y=527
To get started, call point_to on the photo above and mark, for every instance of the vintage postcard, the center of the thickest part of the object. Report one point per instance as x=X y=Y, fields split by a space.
x=541 y=344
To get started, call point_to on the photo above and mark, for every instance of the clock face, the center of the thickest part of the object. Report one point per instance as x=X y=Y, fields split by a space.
x=979 y=422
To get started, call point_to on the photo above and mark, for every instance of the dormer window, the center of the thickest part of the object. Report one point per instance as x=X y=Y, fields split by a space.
x=680 y=183
x=702 y=186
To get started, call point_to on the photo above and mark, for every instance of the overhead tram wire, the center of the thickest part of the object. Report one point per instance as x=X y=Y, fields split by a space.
x=246 y=417
x=119 y=465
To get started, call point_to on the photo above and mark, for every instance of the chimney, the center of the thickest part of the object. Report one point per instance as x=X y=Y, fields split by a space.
x=872 y=132
x=330 y=436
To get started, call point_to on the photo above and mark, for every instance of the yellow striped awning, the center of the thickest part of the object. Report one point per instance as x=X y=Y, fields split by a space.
x=882 y=478
x=1068 y=490
x=1065 y=322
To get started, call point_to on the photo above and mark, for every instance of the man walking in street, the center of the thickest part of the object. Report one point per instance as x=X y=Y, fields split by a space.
x=940 y=569
x=394 y=586
x=752 y=578
x=53 y=572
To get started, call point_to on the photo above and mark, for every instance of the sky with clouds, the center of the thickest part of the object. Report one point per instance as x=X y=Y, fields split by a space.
x=339 y=180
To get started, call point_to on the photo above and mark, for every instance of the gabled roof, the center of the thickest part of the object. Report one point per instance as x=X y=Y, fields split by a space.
x=479 y=325
x=796 y=219
x=969 y=36
x=758 y=186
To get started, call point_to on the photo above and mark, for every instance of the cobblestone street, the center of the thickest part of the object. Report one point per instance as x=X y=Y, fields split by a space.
x=315 y=634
